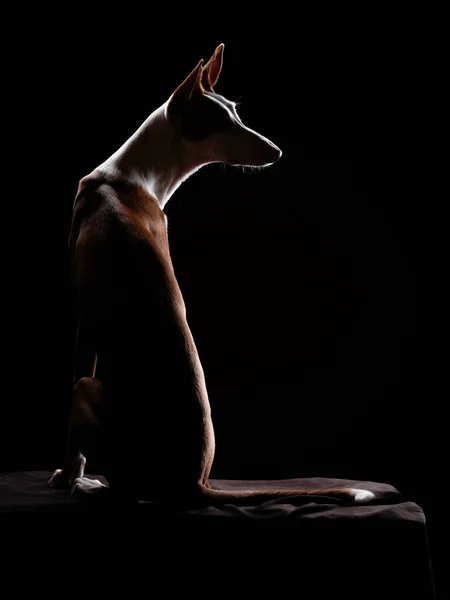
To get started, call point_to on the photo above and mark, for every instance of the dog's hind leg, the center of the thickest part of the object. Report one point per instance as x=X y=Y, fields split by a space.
x=84 y=432
x=85 y=399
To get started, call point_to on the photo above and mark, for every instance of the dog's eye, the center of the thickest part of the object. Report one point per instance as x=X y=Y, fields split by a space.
x=205 y=117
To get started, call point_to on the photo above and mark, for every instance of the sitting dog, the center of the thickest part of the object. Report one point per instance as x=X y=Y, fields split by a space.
x=140 y=407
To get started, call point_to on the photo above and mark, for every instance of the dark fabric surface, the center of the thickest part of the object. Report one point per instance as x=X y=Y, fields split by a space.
x=316 y=543
x=27 y=491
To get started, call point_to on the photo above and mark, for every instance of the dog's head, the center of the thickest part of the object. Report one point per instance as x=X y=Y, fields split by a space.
x=209 y=124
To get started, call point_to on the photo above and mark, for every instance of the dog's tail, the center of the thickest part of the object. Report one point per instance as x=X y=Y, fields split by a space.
x=220 y=497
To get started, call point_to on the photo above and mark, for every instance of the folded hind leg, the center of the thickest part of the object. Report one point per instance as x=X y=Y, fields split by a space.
x=85 y=438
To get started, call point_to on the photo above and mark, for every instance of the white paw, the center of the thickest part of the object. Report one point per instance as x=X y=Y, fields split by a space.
x=362 y=495
x=83 y=486
x=59 y=480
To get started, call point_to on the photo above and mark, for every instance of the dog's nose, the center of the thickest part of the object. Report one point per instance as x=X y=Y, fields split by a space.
x=274 y=154
x=273 y=151
x=277 y=154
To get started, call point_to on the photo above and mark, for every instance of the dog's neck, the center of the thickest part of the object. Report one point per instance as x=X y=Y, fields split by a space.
x=154 y=157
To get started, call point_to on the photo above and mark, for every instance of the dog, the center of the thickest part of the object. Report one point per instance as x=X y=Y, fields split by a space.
x=140 y=408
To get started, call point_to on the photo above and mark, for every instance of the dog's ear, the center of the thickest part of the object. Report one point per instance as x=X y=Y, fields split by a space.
x=211 y=70
x=191 y=86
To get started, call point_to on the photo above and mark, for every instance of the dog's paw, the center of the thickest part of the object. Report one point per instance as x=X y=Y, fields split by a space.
x=62 y=479
x=59 y=480
x=83 y=487
x=362 y=496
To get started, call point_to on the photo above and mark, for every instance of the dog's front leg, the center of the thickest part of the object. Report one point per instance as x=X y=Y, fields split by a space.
x=85 y=365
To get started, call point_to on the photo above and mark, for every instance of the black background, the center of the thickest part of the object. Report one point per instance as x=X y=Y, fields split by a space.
x=301 y=281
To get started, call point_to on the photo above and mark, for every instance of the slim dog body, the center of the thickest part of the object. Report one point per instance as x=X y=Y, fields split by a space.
x=140 y=403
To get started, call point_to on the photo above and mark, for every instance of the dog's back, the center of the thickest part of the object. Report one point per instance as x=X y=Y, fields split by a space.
x=153 y=384
x=118 y=232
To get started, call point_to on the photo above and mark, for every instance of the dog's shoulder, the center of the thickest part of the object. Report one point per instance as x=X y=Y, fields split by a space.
x=111 y=212
x=92 y=197
x=100 y=193
x=95 y=193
